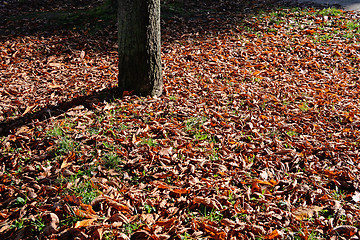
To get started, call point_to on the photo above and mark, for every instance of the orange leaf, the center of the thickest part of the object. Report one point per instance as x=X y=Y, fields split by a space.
x=72 y=199
x=84 y=223
x=103 y=67
x=180 y=191
x=88 y=208
x=161 y=185
x=274 y=234
x=166 y=223
x=118 y=206
x=258 y=181
x=85 y=214
x=309 y=31
x=236 y=206
x=213 y=231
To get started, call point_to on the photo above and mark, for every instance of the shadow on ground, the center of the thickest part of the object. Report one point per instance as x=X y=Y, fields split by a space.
x=88 y=101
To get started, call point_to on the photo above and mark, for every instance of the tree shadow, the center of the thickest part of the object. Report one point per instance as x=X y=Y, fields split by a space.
x=88 y=101
x=46 y=17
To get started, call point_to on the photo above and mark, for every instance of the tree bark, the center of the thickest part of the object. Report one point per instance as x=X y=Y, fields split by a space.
x=139 y=47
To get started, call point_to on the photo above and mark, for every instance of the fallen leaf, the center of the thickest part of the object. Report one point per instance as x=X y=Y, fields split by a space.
x=84 y=223
x=212 y=203
x=306 y=212
x=166 y=223
x=273 y=235
x=29 y=109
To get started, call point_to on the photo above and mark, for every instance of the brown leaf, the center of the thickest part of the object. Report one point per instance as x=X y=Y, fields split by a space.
x=54 y=64
x=72 y=199
x=118 y=217
x=180 y=191
x=166 y=151
x=68 y=160
x=29 y=109
x=213 y=231
x=147 y=218
x=52 y=222
x=118 y=206
x=303 y=213
x=227 y=222
x=31 y=193
x=85 y=214
x=345 y=230
x=97 y=234
x=212 y=203
x=166 y=223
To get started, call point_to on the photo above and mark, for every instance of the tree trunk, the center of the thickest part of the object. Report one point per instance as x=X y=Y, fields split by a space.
x=139 y=47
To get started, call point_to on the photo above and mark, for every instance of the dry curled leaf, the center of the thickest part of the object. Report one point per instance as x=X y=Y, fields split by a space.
x=166 y=223
x=273 y=235
x=306 y=212
x=345 y=230
x=51 y=223
x=84 y=223
x=212 y=203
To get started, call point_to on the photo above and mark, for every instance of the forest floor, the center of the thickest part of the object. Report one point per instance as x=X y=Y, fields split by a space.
x=256 y=136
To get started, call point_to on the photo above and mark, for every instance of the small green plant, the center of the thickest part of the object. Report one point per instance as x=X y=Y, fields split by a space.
x=272 y=30
x=121 y=126
x=66 y=145
x=109 y=235
x=291 y=133
x=108 y=145
x=149 y=209
x=241 y=216
x=111 y=161
x=130 y=228
x=185 y=236
x=338 y=194
x=38 y=225
x=168 y=180
x=19 y=202
x=84 y=188
x=18 y=224
x=331 y=12
x=304 y=106
x=151 y=142
x=231 y=198
x=353 y=25
x=56 y=131
x=200 y=136
x=214 y=156
x=93 y=130
x=87 y=190
x=69 y=220
x=251 y=158
x=211 y=214
x=194 y=124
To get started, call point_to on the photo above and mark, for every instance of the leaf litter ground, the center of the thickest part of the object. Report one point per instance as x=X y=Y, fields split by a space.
x=255 y=137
